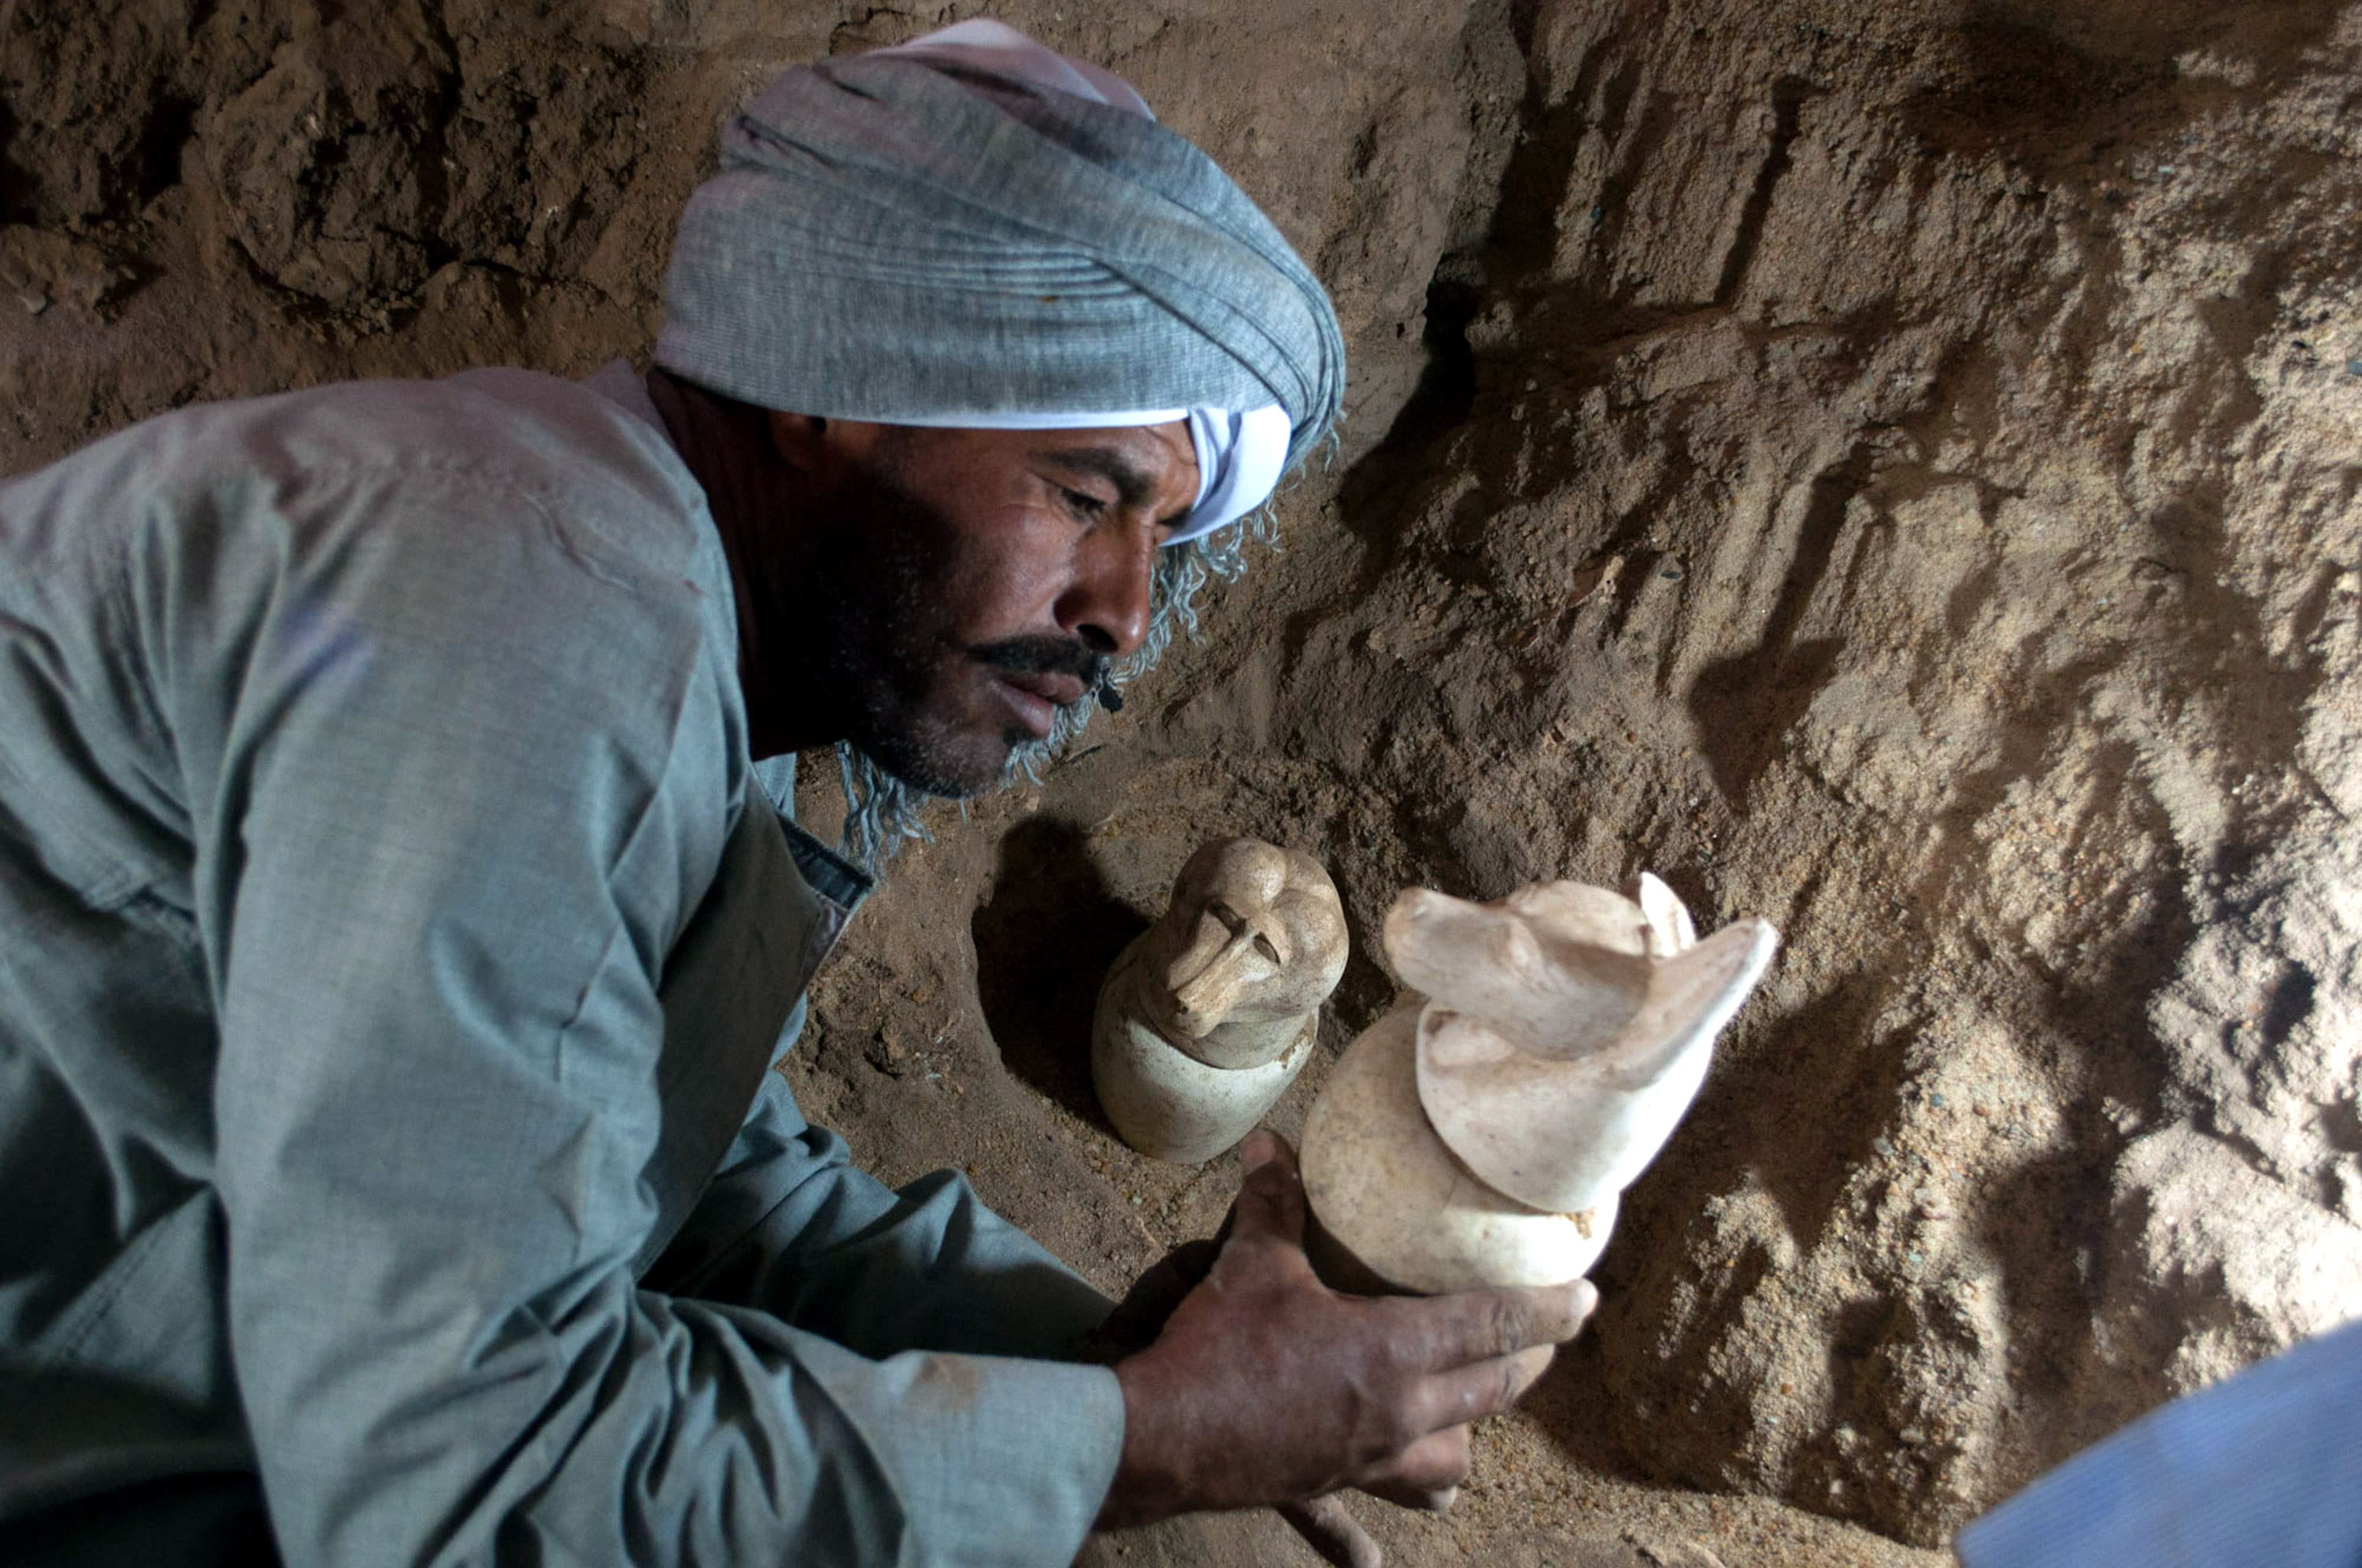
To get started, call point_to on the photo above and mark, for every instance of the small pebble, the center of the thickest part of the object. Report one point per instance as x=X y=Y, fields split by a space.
x=1881 y=1145
x=1671 y=574
x=33 y=299
x=2354 y=366
x=1937 y=1101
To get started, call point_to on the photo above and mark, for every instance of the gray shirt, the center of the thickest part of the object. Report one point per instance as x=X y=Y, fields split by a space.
x=394 y=942
x=2263 y=1468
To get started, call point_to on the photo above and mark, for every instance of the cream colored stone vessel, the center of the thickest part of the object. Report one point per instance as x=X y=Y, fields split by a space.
x=1209 y=1015
x=1479 y=1134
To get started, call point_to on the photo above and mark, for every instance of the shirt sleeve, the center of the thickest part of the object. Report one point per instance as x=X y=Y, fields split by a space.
x=790 y=1226
x=465 y=802
x=2261 y=1468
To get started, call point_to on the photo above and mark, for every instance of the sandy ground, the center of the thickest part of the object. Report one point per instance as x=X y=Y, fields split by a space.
x=1887 y=466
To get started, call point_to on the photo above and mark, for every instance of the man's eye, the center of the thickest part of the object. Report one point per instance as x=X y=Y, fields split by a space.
x=1083 y=505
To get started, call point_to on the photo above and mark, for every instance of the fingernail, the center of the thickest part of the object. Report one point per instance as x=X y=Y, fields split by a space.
x=1260 y=1149
x=1586 y=1296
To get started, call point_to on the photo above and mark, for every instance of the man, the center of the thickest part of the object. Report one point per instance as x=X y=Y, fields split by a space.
x=400 y=914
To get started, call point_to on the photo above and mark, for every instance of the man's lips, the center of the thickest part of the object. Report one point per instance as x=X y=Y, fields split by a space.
x=1037 y=697
x=1036 y=676
x=1058 y=690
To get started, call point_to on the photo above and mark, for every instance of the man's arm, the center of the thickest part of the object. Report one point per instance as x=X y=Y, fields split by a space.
x=789 y=1226
x=440 y=879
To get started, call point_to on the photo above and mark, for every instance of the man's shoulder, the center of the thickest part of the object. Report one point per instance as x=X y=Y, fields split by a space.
x=539 y=438
x=495 y=506
x=482 y=472
x=535 y=435
x=553 y=494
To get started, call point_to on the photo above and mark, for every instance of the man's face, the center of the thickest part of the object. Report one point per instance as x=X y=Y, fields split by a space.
x=955 y=587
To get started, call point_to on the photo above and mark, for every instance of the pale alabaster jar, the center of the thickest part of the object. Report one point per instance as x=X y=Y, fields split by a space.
x=1478 y=1135
x=1207 y=1017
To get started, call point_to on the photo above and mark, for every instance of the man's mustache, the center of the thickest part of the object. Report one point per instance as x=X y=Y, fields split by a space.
x=1046 y=656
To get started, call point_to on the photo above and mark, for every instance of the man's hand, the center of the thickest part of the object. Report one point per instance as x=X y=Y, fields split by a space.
x=1268 y=1387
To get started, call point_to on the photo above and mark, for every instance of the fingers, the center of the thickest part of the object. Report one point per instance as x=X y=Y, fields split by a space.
x=1271 y=1202
x=1437 y=1463
x=1332 y=1532
x=1481 y=1388
x=1402 y=1494
x=1485 y=1325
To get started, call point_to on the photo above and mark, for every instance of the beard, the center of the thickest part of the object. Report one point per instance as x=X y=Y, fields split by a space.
x=919 y=746
x=873 y=601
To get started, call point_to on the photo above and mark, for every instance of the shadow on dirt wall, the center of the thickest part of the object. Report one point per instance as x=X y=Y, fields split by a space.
x=1045 y=939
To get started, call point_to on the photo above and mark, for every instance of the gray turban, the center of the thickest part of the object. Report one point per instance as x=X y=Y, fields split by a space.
x=972 y=230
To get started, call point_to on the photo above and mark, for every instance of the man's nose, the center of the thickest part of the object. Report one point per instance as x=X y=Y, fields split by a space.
x=1106 y=606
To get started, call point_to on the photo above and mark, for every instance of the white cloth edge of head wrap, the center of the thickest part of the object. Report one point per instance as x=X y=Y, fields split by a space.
x=1239 y=455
